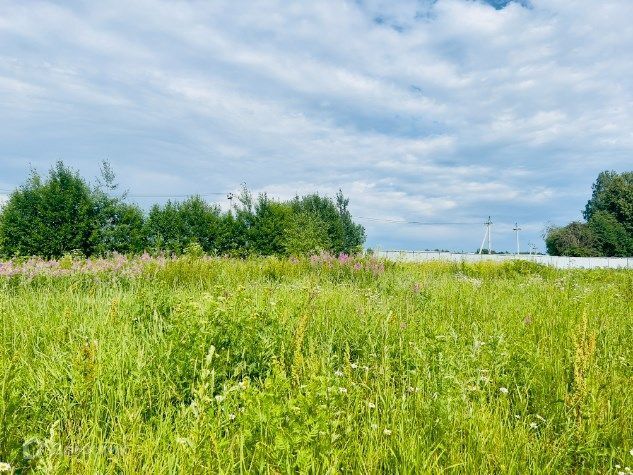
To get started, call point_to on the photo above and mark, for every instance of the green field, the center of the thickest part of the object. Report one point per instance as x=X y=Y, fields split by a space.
x=196 y=365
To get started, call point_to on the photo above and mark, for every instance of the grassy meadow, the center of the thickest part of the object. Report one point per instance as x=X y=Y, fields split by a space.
x=205 y=365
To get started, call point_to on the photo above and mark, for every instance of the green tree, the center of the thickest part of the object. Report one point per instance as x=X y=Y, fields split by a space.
x=575 y=239
x=305 y=234
x=121 y=229
x=270 y=220
x=608 y=230
x=613 y=193
x=49 y=217
x=175 y=225
x=353 y=234
x=120 y=226
x=324 y=210
x=344 y=236
x=611 y=236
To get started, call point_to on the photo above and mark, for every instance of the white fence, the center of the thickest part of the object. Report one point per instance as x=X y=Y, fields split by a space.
x=559 y=262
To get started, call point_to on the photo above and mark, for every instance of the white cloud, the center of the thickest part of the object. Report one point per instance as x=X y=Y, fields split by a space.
x=418 y=110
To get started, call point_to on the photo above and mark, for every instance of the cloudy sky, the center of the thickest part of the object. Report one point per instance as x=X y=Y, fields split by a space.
x=430 y=111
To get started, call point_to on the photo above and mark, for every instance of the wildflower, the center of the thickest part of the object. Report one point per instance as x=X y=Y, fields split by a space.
x=338 y=373
x=540 y=418
x=516 y=416
x=533 y=425
x=371 y=405
x=232 y=417
x=5 y=467
x=184 y=441
x=353 y=365
x=387 y=431
x=219 y=397
x=374 y=426
x=342 y=390
x=631 y=451
x=503 y=390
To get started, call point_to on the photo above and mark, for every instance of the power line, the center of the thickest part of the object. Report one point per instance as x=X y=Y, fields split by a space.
x=157 y=196
x=230 y=197
x=175 y=196
x=421 y=223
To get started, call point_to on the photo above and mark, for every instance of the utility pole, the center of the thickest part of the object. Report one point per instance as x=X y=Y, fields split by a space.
x=487 y=235
x=230 y=197
x=516 y=230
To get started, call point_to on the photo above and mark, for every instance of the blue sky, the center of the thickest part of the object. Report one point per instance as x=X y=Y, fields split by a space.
x=432 y=111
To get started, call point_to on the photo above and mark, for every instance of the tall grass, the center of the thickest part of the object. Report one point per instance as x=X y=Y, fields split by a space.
x=266 y=365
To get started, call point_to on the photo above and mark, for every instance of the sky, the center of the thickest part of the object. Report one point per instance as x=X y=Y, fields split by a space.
x=445 y=111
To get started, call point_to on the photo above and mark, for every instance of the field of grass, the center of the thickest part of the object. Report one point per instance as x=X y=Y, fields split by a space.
x=196 y=365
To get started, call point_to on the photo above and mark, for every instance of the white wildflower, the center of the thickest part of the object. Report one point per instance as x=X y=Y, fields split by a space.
x=631 y=451
x=338 y=373
x=342 y=390
x=5 y=467
x=354 y=365
x=503 y=390
x=533 y=425
x=387 y=431
x=374 y=426
x=184 y=441
x=232 y=417
x=371 y=405
x=219 y=397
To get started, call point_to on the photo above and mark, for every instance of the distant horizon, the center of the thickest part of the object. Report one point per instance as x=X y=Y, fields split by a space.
x=415 y=226
x=146 y=201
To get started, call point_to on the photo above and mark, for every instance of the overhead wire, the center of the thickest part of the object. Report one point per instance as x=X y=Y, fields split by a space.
x=367 y=218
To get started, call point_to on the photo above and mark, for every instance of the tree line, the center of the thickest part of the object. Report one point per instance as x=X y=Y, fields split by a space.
x=607 y=229
x=62 y=213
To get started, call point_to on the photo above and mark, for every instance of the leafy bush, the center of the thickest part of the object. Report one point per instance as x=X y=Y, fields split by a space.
x=62 y=213
x=49 y=217
x=608 y=230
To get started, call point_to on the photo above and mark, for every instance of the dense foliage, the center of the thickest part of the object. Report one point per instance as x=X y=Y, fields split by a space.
x=62 y=214
x=321 y=365
x=608 y=229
